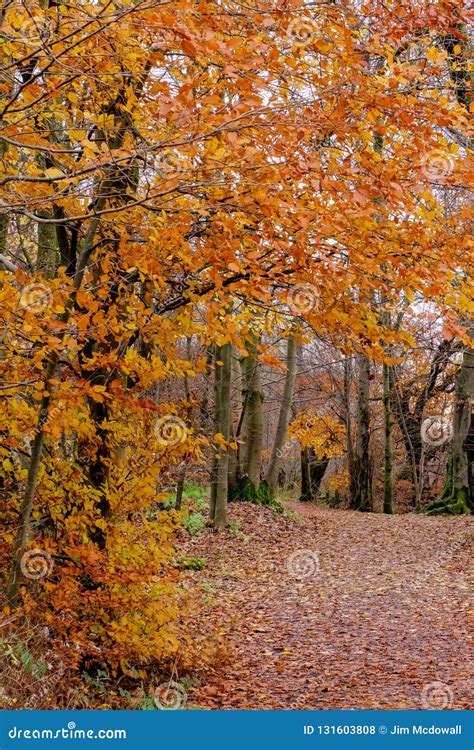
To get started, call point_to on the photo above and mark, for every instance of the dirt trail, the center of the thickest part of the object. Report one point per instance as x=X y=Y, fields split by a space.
x=340 y=610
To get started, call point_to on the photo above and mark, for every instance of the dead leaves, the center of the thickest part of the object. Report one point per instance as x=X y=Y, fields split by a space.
x=385 y=615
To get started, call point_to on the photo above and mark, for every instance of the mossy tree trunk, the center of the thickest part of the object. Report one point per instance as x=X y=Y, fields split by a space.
x=48 y=250
x=237 y=407
x=253 y=418
x=220 y=472
x=457 y=496
x=283 y=416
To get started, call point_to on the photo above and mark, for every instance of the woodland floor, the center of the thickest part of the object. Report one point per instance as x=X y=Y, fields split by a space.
x=385 y=616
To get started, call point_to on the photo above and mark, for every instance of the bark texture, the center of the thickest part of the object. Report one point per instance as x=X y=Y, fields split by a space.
x=220 y=474
x=283 y=416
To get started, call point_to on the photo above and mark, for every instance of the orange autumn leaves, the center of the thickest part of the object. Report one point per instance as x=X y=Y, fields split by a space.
x=201 y=160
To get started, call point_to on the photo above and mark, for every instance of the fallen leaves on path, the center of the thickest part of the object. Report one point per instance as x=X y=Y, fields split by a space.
x=337 y=610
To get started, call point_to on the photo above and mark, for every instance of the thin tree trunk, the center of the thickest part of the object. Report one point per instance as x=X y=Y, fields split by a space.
x=187 y=395
x=48 y=252
x=317 y=470
x=362 y=498
x=348 y=420
x=306 y=495
x=388 y=446
x=388 y=426
x=3 y=217
x=220 y=474
x=253 y=418
x=283 y=416
x=237 y=406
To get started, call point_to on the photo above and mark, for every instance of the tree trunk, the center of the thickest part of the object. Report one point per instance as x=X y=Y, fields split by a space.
x=3 y=217
x=410 y=420
x=253 y=418
x=387 y=412
x=362 y=470
x=187 y=395
x=48 y=252
x=457 y=496
x=284 y=415
x=313 y=470
x=306 y=495
x=220 y=473
x=237 y=407
x=348 y=422
x=388 y=447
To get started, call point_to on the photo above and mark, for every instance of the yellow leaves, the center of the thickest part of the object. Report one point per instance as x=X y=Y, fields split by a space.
x=220 y=440
x=215 y=148
x=435 y=55
x=53 y=173
x=323 y=433
x=97 y=393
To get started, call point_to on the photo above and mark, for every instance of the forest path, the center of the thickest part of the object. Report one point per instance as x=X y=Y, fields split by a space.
x=341 y=610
